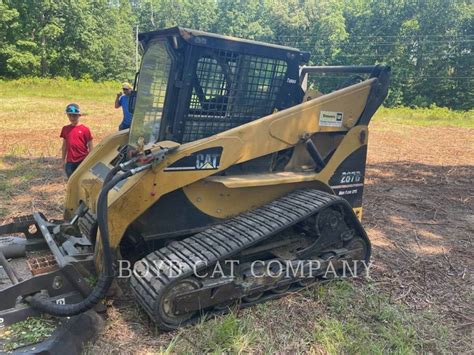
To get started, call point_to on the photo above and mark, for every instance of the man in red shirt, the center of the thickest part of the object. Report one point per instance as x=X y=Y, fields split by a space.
x=77 y=140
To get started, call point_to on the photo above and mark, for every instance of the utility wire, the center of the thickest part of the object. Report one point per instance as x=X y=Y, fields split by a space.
x=373 y=36
x=333 y=44
x=406 y=78
x=348 y=42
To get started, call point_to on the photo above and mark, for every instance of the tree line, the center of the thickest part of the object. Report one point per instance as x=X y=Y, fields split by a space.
x=428 y=43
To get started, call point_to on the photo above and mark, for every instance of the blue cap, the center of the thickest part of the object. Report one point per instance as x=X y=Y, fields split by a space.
x=73 y=109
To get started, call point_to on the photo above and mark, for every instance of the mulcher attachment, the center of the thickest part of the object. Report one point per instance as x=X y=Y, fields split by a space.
x=308 y=231
x=51 y=256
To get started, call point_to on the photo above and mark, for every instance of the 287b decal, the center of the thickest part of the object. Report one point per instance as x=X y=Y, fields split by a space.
x=349 y=177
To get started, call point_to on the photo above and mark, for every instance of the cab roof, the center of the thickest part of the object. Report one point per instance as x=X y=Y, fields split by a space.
x=212 y=40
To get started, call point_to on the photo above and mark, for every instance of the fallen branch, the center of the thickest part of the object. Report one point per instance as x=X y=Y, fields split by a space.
x=428 y=223
x=402 y=296
x=464 y=325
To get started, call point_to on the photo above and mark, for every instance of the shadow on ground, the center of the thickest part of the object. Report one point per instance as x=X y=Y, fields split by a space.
x=420 y=219
x=31 y=184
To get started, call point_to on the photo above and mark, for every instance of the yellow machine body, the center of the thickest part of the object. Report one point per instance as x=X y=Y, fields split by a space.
x=222 y=196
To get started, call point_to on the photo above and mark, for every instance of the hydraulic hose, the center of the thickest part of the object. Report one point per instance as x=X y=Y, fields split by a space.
x=110 y=175
x=107 y=275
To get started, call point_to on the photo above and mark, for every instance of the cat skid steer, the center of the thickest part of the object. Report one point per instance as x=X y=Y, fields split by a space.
x=232 y=156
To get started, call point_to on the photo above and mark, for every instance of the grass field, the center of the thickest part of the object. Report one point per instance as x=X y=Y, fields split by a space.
x=418 y=211
x=434 y=116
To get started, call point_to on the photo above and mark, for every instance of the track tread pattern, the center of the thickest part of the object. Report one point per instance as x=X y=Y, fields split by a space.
x=223 y=241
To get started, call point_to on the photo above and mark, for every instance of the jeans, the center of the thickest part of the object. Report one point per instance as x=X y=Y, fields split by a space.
x=70 y=167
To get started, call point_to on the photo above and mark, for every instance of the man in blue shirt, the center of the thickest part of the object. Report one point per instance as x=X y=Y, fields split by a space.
x=122 y=101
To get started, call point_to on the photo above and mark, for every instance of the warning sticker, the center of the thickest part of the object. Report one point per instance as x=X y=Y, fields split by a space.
x=330 y=119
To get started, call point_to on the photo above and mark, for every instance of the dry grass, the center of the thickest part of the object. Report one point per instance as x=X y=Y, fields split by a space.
x=31 y=117
x=31 y=127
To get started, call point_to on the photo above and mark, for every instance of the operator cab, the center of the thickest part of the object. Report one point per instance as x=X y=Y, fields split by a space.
x=194 y=84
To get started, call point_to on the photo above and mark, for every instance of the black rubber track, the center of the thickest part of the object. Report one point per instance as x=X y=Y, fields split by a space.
x=222 y=241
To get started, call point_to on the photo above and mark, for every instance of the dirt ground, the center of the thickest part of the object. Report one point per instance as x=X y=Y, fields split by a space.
x=419 y=214
x=418 y=211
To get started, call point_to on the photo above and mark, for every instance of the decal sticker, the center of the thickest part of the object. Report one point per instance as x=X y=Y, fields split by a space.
x=348 y=179
x=330 y=119
x=351 y=177
x=346 y=186
x=206 y=159
x=346 y=192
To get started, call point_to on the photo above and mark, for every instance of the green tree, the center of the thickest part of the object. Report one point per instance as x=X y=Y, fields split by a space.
x=156 y=14
x=96 y=45
x=242 y=18
x=429 y=44
x=17 y=53
x=42 y=25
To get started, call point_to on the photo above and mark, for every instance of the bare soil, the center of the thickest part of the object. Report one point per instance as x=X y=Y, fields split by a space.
x=418 y=212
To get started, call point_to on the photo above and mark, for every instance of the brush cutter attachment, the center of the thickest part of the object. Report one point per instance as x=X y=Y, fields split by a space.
x=46 y=260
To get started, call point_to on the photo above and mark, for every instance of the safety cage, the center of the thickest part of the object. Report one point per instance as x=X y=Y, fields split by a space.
x=217 y=83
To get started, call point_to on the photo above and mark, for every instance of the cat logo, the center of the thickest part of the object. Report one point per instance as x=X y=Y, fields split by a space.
x=206 y=159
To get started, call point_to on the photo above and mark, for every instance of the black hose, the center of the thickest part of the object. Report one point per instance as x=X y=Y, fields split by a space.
x=106 y=276
x=111 y=174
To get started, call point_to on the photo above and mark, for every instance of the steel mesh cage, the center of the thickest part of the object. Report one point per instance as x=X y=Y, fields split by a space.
x=231 y=89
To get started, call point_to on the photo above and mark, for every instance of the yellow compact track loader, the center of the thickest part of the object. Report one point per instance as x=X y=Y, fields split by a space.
x=236 y=183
